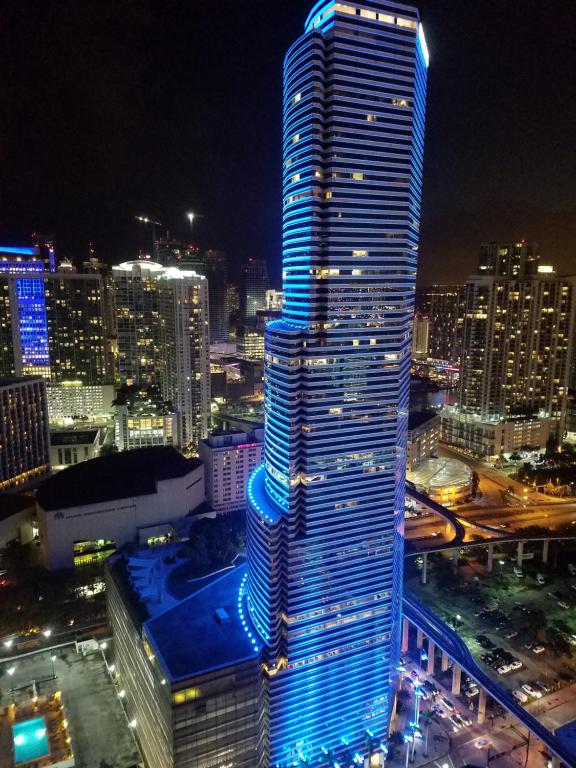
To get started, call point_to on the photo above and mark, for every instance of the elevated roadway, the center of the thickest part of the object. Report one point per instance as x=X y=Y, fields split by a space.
x=450 y=643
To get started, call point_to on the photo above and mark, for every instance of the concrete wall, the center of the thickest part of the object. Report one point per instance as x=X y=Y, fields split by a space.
x=117 y=520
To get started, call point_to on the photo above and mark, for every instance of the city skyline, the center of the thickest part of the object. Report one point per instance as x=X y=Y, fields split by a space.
x=193 y=120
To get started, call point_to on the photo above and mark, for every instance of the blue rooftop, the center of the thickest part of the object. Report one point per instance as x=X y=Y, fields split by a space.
x=207 y=631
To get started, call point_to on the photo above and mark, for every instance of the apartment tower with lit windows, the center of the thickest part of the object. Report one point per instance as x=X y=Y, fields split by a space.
x=325 y=518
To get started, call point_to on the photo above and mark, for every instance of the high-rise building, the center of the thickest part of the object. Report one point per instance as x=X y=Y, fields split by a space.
x=24 y=439
x=420 y=335
x=162 y=317
x=515 y=370
x=517 y=331
x=253 y=290
x=325 y=515
x=142 y=418
x=446 y=321
x=52 y=323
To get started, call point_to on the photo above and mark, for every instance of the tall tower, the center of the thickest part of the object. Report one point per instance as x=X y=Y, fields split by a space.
x=163 y=338
x=325 y=519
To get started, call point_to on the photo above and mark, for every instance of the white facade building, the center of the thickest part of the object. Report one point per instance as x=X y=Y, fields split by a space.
x=73 y=400
x=229 y=457
x=163 y=339
x=89 y=510
x=144 y=428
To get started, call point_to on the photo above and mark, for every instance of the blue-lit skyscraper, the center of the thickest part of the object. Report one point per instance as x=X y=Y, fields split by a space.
x=325 y=522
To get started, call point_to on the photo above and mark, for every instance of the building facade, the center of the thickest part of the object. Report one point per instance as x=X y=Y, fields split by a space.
x=424 y=433
x=74 y=401
x=518 y=326
x=24 y=437
x=253 y=290
x=88 y=510
x=52 y=325
x=446 y=321
x=420 y=335
x=163 y=339
x=325 y=514
x=229 y=457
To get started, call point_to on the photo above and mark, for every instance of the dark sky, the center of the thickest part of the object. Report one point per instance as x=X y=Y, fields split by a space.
x=116 y=107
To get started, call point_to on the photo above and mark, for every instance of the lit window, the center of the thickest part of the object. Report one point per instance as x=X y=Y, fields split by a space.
x=295 y=138
x=408 y=23
x=296 y=178
x=318 y=174
x=357 y=272
x=341 y=8
x=296 y=98
x=328 y=195
x=357 y=176
x=359 y=253
x=368 y=14
x=400 y=102
x=386 y=18
x=371 y=118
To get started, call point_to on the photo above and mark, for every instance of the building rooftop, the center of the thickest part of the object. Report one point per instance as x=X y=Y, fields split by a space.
x=11 y=381
x=436 y=474
x=205 y=631
x=418 y=418
x=73 y=436
x=118 y=476
x=12 y=503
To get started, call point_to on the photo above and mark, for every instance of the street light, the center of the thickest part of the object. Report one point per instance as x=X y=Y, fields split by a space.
x=9 y=643
x=53 y=659
x=11 y=670
x=47 y=632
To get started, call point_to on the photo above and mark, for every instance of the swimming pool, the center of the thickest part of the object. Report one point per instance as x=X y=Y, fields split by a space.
x=30 y=740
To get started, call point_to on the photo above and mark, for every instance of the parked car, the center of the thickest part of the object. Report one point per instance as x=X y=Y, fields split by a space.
x=538 y=649
x=447 y=703
x=520 y=696
x=527 y=688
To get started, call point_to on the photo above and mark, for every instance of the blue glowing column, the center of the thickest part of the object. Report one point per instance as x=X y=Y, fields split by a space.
x=325 y=520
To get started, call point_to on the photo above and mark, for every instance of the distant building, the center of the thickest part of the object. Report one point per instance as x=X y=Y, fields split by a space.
x=228 y=458
x=487 y=438
x=253 y=290
x=424 y=432
x=52 y=325
x=74 y=401
x=274 y=299
x=143 y=419
x=72 y=446
x=250 y=342
x=186 y=661
x=420 y=335
x=446 y=321
x=517 y=331
x=163 y=339
x=24 y=439
x=87 y=511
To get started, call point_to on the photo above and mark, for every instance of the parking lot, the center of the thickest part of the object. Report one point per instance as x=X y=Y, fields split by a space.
x=98 y=728
x=522 y=630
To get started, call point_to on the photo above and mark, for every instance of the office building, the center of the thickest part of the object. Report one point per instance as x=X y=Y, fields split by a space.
x=163 y=339
x=24 y=439
x=182 y=655
x=253 y=290
x=216 y=272
x=446 y=322
x=229 y=457
x=325 y=604
x=88 y=510
x=142 y=418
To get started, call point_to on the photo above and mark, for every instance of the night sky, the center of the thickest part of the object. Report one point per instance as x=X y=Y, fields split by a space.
x=116 y=107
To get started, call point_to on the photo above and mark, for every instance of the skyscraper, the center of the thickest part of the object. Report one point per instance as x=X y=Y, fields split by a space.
x=446 y=316
x=253 y=290
x=163 y=338
x=517 y=328
x=325 y=519
x=51 y=323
